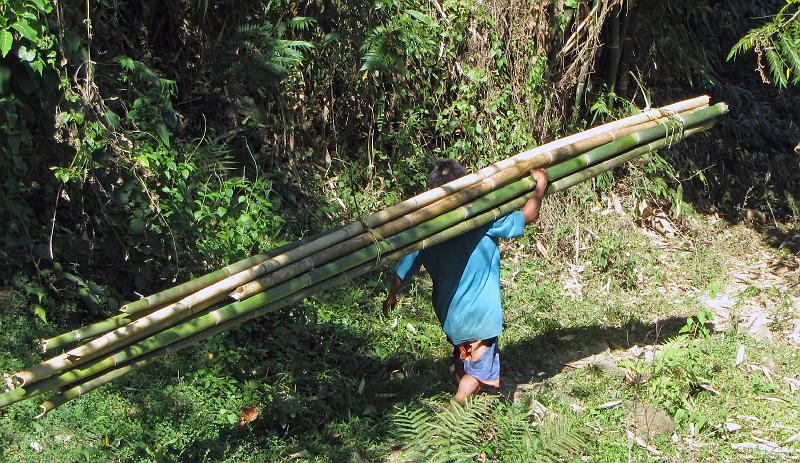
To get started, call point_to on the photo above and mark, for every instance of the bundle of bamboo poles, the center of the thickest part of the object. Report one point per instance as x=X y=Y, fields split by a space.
x=190 y=312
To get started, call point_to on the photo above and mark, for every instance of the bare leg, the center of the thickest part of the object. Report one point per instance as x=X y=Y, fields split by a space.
x=467 y=386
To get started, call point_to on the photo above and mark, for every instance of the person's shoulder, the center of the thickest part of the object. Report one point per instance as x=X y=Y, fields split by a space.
x=509 y=226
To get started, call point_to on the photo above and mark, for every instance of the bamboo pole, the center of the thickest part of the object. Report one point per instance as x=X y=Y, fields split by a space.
x=171 y=314
x=184 y=289
x=557 y=186
x=135 y=310
x=90 y=385
x=461 y=197
x=191 y=286
x=88 y=331
x=450 y=202
x=591 y=138
x=200 y=329
x=186 y=334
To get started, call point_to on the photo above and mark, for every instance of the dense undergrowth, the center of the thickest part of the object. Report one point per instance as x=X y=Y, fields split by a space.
x=143 y=143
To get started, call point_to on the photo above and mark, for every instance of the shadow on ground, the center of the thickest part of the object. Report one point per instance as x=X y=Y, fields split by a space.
x=328 y=406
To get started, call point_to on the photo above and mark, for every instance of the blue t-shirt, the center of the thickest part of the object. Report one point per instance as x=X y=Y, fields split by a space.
x=466 y=279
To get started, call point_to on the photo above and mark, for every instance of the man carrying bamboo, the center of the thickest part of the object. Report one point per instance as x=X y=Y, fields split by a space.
x=466 y=284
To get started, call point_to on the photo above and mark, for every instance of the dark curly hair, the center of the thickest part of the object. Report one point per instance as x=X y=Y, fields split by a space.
x=443 y=171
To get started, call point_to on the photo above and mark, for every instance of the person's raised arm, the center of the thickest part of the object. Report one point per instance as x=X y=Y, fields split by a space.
x=531 y=208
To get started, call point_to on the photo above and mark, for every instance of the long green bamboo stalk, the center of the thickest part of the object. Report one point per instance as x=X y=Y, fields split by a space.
x=413 y=218
x=500 y=178
x=435 y=194
x=159 y=319
x=177 y=292
x=90 y=385
x=188 y=333
x=88 y=331
x=201 y=329
x=556 y=186
x=463 y=196
x=135 y=310
x=586 y=140
x=184 y=289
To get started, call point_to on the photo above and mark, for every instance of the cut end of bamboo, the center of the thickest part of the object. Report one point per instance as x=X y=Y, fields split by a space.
x=124 y=308
x=43 y=345
x=20 y=379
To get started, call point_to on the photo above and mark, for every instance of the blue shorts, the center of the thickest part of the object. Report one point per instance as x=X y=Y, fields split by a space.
x=485 y=368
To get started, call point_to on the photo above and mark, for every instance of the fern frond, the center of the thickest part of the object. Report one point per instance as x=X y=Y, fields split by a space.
x=746 y=43
x=301 y=23
x=777 y=67
x=790 y=50
x=561 y=437
x=449 y=436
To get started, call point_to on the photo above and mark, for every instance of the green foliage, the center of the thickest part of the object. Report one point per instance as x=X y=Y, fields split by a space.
x=487 y=429
x=777 y=42
x=697 y=326
x=24 y=28
x=679 y=369
x=27 y=60
x=260 y=53
x=617 y=259
x=143 y=143
x=405 y=38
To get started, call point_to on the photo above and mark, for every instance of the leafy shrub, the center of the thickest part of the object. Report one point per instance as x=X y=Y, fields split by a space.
x=679 y=369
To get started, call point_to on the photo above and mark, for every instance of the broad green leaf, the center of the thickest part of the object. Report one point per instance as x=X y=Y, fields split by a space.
x=38 y=66
x=331 y=37
x=27 y=31
x=6 y=39
x=163 y=134
x=421 y=17
x=112 y=119
x=221 y=211
x=40 y=312
x=127 y=63
x=43 y=5
x=26 y=15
